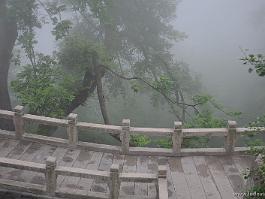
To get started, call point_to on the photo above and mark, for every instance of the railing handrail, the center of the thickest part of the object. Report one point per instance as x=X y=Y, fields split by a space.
x=23 y=165
x=125 y=130
x=115 y=176
x=134 y=130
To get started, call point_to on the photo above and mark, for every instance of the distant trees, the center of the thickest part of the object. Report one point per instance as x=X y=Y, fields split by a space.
x=8 y=35
x=16 y=19
x=110 y=46
x=18 y=22
x=115 y=40
x=257 y=64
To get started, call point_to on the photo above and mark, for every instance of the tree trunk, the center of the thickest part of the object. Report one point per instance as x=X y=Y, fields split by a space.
x=183 y=106
x=80 y=97
x=8 y=36
x=101 y=99
x=89 y=86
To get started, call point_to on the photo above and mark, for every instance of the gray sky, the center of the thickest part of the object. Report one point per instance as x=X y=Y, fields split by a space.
x=216 y=29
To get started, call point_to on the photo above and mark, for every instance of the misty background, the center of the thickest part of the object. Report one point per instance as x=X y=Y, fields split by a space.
x=216 y=30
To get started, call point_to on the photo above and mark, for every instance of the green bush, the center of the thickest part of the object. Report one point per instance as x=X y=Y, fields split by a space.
x=140 y=140
x=257 y=174
x=205 y=119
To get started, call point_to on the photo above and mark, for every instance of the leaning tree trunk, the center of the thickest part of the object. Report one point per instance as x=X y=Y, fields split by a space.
x=89 y=85
x=8 y=36
x=101 y=99
x=100 y=71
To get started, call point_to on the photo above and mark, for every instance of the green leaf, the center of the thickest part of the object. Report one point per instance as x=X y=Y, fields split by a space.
x=62 y=29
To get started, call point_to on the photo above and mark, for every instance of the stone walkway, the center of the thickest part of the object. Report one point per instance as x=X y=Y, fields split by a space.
x=196 y=177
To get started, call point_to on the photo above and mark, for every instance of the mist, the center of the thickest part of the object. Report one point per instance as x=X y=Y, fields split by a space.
x=217 y=31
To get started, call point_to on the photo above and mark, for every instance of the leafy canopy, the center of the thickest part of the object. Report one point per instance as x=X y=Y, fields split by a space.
x=43 y=87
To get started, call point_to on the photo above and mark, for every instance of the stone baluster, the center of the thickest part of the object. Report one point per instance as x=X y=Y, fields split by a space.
x=177 y=138
x=18 y=121
x=115 y=181
x=162 y=182
x=125 y=136
x=50 y=176
x=72 y=131
x=231 y=137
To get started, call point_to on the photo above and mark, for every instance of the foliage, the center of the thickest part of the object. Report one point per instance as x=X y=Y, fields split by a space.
x=43 y=87
x=257 y=173
x=138 y=36
x=202 y=120
x=118 y=39
x=192 y=142
x=53 y=96
x=55 y=10
x=256 y=61
x=62 y=29
x=259 y=122
x=258 y=190
x=165 y=143
x=77 y=53
x=205 y=99
x=255 y=126
x=132 y=38
x=25 y=13
x=201 y=99
x=140 y=140
x=205 y=119
x=163 y=83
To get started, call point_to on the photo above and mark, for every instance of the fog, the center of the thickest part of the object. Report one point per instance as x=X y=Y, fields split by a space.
x=216 y=32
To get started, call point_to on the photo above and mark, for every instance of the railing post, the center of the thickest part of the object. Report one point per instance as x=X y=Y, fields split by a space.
x=177 y=138
x=18 y=121
x=125 y=136
x=72 y=131
x=231 y=137
x=50 y=176
x=115 y=181
x=162 y=189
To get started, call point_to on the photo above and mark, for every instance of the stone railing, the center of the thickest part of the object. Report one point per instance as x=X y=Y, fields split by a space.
x=114 y=177
x=124 y=132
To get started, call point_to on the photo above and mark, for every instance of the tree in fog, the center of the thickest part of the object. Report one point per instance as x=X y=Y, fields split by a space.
x=116 y=40
x=137 y=37
x=16 y=19
x=18 y=22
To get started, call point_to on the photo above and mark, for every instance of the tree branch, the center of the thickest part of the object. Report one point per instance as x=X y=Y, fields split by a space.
x=150 y=85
